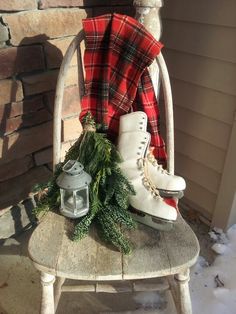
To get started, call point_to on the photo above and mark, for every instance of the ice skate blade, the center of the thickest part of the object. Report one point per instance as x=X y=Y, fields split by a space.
x=170 y=194
x=152 y=222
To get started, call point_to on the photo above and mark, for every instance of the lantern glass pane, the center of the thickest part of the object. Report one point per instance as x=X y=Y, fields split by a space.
x=81 y=198
x=68 y=199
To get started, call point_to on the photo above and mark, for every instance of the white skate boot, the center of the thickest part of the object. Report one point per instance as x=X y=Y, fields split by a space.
x=167 y=184
x=132 y=147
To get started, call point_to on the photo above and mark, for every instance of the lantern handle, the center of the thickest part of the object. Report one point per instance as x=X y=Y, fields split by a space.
x=70 y=166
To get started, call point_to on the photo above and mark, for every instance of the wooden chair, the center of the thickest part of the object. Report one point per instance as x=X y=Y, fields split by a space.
x=160 y=260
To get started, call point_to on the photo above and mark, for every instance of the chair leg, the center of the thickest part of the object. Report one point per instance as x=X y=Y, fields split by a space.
x=57 y=290
x=47 y=302
x=184 y=300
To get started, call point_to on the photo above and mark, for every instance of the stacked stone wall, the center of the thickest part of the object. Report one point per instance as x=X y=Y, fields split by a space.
x=34 y=36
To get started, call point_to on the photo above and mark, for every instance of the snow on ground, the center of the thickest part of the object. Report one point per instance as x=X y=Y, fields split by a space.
x=212 y=287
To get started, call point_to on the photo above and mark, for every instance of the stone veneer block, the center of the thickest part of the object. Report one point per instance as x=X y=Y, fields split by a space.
x=22 y=107
x=71 y=101
x=45 y=156
x=39 y=83
x=4 y=36
x=39 y=26
x=46 y=81
x=10 y=91
x=25 y=142
x=72 y=129
x=44 y=4
x=15 y=168
x=17 y=189
x=27 y=120
x=16 y=5
x=126 y=10
x=55 y=49
x=21 y=59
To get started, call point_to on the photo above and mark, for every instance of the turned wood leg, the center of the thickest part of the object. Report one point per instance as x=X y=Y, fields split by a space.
x=47 y=302
x=57 y=290
x=183 y=295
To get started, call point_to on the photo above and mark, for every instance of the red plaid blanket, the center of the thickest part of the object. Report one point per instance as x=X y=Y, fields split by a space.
x=118 y=51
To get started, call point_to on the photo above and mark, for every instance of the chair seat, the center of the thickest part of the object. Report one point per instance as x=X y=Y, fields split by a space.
x=155 y=254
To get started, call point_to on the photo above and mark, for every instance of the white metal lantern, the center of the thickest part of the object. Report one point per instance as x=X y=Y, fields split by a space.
x=74 y=189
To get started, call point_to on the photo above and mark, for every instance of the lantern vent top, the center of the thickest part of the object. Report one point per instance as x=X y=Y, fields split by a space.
x=73 y=167
x=73 y=176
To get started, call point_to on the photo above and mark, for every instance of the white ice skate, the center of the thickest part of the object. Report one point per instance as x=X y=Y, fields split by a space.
x=167 y=184
x=153 y=210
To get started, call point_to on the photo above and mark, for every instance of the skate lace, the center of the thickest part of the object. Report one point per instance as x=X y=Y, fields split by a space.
x=146 y=180
x=154 y=162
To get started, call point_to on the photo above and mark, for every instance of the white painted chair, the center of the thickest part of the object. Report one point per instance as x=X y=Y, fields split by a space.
x=160 y=260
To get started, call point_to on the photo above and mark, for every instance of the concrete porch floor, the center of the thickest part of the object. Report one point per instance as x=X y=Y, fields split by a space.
x=20 y=289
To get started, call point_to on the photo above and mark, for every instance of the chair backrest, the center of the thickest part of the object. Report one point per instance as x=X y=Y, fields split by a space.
x=165 y=80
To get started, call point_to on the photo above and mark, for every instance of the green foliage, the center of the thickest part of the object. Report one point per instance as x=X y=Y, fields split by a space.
x=82 y=228
x=112 y=232
x=48 y=196
x=109 y=189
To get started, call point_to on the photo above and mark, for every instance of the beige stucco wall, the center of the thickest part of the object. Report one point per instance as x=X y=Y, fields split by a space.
x=200 y=51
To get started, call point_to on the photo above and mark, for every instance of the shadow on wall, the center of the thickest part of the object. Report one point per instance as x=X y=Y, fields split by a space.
x=28 y=74
x=21 y=115
x=26 y=114
x=26 y=118
x=25 y=125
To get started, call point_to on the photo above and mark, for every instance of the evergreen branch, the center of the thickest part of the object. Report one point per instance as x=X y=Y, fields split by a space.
x=122 y=201
x=112 y=233
x=82 y=228
x=121 y=216
x=109 y=190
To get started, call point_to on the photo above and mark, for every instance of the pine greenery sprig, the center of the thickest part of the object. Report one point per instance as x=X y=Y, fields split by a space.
x=112 y=232
x=109 y=189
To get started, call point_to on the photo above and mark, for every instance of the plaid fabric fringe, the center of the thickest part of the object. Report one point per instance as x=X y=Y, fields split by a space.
x=118 y=51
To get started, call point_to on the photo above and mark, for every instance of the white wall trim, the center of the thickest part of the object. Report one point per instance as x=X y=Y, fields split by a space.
x=225 y=209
